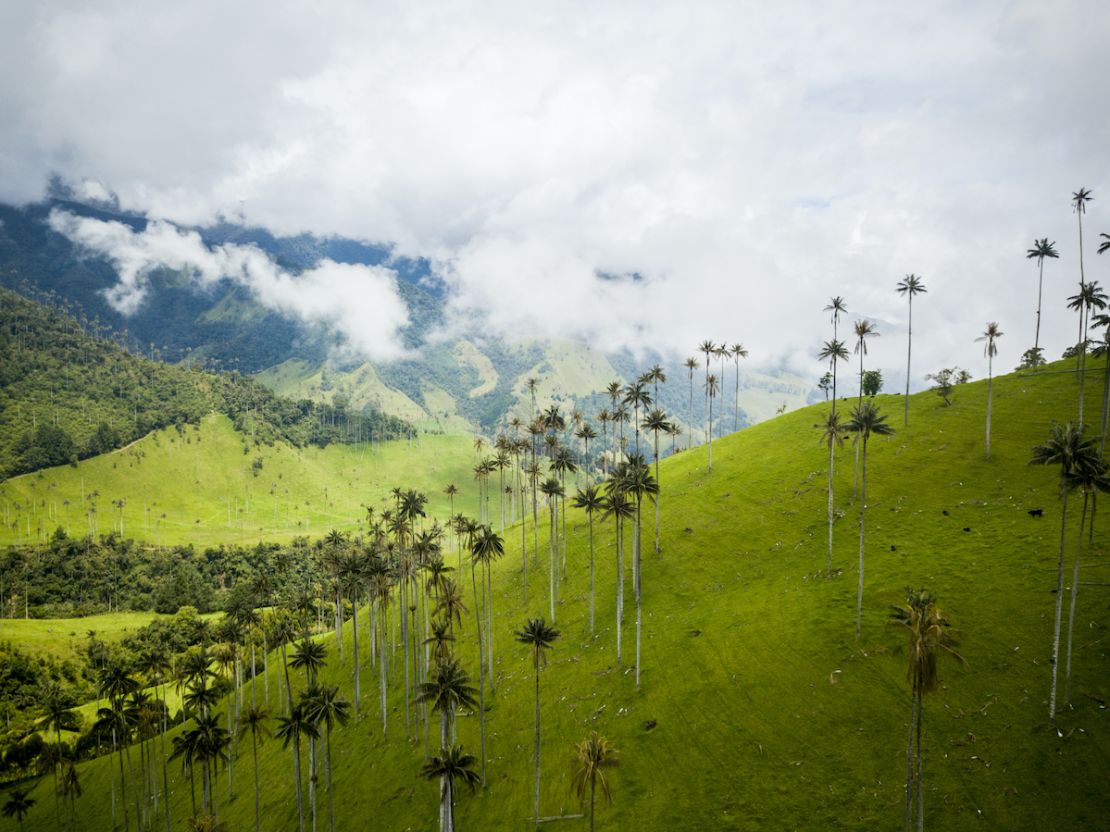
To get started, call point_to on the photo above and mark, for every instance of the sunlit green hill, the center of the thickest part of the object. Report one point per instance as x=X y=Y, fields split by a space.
x=209 y=483
x=759 y=708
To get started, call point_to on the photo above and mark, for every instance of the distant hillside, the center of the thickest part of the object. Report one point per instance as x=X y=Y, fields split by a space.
x=463 y=384
x=67 y=395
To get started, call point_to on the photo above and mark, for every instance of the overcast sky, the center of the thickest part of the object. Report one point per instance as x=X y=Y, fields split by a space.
x=627 y=173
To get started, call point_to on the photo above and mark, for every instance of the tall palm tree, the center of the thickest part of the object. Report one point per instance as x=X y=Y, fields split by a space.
x=833 y=351
x=832 y=434
x=553 y=490
x=990 y=335
x=70 y=786
x=636 y=480
x=253 y=721
x=586 y=432
x=1089 y=479
x=449 y=766
x=1090 y=297
x=562 y=463
x=58 y=714
x=622 y=510
x=737 y=351
x=1079 y=200
x=1041 y=249
x=474 y=559
x=1066 y=447
x=487 y=547
x=909 y=286
x=656 y=422
x=290 y=730
x=593 y=755
x=712 y=388
x=590 y=501
x=18 y=804
x=323 y=706
x=836 y=307
x=446 y=690
x=865 y=422
x=1102 y=350
x=864 y=329
x=930 y=633
x=710 y=349
x=691 y=364
x=540 y=636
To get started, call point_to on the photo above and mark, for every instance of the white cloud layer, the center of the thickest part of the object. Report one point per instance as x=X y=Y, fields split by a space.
x=744 y=160
x=360 y=304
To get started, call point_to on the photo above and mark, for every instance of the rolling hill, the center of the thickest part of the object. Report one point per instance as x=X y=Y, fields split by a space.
x=759 y=708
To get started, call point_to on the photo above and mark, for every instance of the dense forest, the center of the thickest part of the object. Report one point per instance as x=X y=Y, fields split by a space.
x=69 y=389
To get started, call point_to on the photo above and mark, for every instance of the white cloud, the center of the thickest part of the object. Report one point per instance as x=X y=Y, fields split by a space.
x=360 y=304
x=746 y=160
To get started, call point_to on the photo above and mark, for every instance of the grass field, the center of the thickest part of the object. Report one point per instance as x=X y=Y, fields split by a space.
x=759 y=708
x=200 y=486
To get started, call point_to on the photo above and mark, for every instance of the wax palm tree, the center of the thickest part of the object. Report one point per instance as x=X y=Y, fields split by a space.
x=540 y=637
x=737 y=352
x=617 y=505
x=586 y=432
x=1089 y=479
x=656 y=422
x=451 y=765
x=1090 y=297
x=253 y=721
x=446 y=690
x=590 y=501
x=836 y=307
x=710 y=349
x=909 y=286
x=990 y=336
x=487 y=547
x=863 y=329
x=637 y=481
x=712 y=388
x=553 y=490
x=1076 y=455
x=57 y=707
x=637 y=397
x=1102 y=350
x=930 y=634
x=833 y=351
x=593 y=755
x=865 y=422
x=70 y=787
x=474 y=559
x=323 y=706
x=1041 y=249
x=562 y=463
x=691 y=364
x=18 y=804
x=832 y=434
x=290 y=730
x=1079 y=200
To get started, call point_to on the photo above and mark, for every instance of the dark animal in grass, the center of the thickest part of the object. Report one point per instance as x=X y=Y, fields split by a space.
x=1036 y=512
x=944 y=511
x=967 y=528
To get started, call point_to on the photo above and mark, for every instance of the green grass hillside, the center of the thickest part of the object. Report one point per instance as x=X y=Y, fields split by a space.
x=208 y=484
x=759 y=708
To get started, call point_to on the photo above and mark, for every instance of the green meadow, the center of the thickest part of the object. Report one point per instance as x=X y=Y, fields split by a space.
x=208 y=484
x=759 y=709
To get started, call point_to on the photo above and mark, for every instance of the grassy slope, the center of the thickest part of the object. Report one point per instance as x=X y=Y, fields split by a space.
x=63 y=638
x=191 y=481
x=755 y=726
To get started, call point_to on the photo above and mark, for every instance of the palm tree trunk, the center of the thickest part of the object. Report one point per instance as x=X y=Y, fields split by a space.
x=354 y=625
x=710 y=432
x=636 y=585
x=288 y=686
x=909 y=348
x=657 y=483
x=1105 y=404
x=536 y=800
x=832 y=443
x=551 y=555
x=690 y=436
x=620 y=585
x=990 y=400
x=257 y=812
x=735 y=401
x=327 y=778
x=297 y=777
x=523 y=541
x=382 y=668
x=489 y=623
x=1071 y=611
x=590 y=515
x=1040 y=285
x=862 y=512
x=481 y=680
x=1059 y=608
x=920 y=773
x=910 y=779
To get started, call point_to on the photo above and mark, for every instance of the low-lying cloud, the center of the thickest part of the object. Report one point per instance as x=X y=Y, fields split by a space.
x=360 y=304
